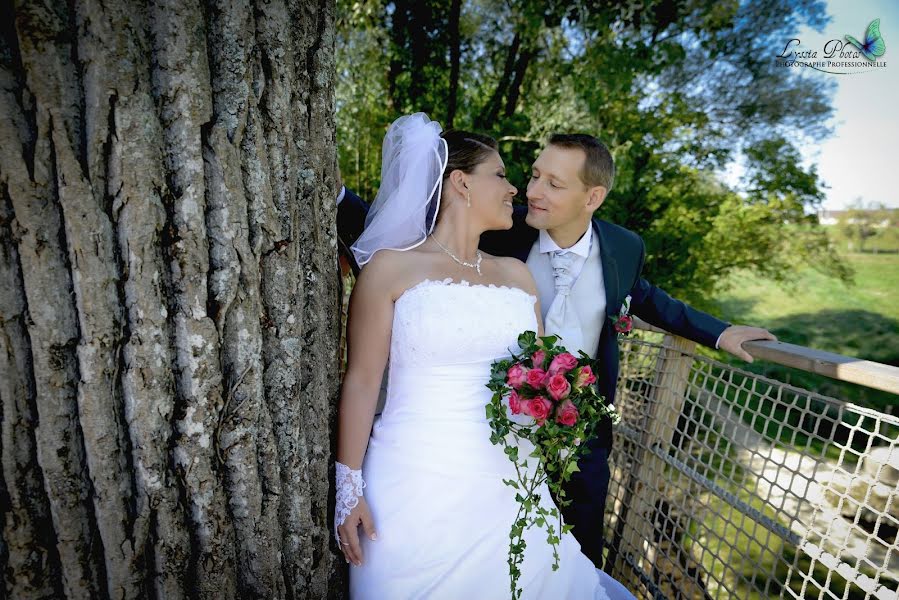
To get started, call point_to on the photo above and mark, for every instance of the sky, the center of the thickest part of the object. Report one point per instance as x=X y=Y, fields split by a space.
x=860 y=159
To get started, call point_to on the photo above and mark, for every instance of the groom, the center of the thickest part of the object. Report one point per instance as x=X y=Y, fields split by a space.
x=584 y=268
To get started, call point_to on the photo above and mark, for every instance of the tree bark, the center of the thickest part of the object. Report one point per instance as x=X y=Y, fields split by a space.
x=168 y=299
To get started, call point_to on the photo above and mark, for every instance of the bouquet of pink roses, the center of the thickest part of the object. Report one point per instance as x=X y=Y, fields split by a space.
x=544 y=395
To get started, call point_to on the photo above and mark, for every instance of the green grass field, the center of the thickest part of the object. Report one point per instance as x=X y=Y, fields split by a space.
x=860 y=320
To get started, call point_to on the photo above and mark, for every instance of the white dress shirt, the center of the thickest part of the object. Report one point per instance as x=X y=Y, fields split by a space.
x=581 y=248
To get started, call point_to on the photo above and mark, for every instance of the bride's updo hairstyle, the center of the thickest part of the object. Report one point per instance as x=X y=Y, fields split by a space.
x=466 y=150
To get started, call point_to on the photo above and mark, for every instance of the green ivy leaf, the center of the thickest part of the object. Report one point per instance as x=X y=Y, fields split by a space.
x=512 y=483
x=527 y=339
x=549 y=341
x=571 y=467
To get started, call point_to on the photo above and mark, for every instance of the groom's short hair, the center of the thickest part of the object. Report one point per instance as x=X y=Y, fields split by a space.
x=599 y=167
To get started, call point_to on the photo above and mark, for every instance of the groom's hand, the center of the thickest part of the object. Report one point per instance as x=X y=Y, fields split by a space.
x=734 y=336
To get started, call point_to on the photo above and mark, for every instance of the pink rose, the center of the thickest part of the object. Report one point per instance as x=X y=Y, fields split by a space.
x=515 y=403
x=624 y=324
x=584 y=377
x=525 y=406
x=558 y=387
x=567 y=414
x=535 y=378
x=516 y=375
x=562 y=364
x=538 y=358
x=539 y=408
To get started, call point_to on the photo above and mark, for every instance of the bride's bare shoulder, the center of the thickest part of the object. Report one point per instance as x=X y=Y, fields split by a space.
x=394 y=270
x=516 y=273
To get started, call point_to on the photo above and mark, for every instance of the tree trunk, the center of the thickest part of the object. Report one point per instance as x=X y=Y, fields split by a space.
x=490 y=111
x=168 y=299
x=521 y=67
x=399 y=21
x=455 y=51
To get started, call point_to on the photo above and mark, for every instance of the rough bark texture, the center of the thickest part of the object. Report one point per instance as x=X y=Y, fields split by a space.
x=168 y=299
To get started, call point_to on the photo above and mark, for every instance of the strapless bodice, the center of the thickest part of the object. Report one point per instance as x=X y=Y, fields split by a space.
x=445 y=337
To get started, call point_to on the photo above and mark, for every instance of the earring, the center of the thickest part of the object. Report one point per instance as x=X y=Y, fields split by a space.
x=468 y=195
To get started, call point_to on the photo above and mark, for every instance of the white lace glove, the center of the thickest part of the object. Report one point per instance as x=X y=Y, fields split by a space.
x=349 y=486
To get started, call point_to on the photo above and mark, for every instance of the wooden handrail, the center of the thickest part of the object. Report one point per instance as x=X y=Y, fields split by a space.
x=836 y=366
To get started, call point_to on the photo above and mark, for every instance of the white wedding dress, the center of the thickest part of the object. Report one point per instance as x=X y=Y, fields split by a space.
x=433 y=479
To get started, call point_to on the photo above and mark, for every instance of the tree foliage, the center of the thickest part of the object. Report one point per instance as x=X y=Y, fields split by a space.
x=686 y=93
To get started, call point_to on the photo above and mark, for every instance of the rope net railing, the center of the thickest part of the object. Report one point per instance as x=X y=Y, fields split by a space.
x=726 y=484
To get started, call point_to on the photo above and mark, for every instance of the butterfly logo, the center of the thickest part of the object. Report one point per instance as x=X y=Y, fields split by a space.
x=873 y=46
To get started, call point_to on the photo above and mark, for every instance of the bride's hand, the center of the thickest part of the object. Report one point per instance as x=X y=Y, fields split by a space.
x=349 y=532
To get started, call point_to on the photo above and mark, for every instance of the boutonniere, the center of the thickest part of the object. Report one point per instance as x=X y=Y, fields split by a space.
x=624 y=322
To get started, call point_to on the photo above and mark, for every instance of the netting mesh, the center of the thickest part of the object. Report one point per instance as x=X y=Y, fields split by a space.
x=726 y=484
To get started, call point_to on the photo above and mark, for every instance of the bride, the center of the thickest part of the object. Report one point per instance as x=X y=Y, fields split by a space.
x=422 y=510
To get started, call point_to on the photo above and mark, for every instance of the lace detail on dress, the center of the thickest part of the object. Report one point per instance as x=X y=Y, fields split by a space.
x=435 y=319
x=349 y=486
x=466 y=283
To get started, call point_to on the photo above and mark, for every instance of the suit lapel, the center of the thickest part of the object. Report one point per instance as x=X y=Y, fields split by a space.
x=609 y=271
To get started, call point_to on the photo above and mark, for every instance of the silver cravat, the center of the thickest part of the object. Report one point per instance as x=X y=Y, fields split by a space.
x=562 y=318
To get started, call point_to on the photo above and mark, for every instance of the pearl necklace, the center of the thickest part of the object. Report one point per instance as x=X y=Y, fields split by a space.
x=476 y=266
